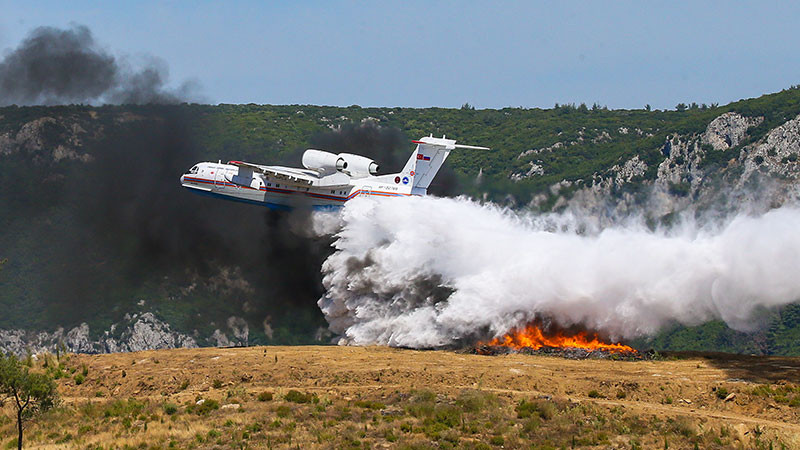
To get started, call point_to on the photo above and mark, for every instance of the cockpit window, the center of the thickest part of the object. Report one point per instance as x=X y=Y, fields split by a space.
x=193 y=169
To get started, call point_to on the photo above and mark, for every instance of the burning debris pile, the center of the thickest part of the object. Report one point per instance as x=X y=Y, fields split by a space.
x=536 y=339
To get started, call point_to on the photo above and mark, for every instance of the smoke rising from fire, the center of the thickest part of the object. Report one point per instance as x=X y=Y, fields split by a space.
x=429 y=272
x=116 y=226
x=62 y=66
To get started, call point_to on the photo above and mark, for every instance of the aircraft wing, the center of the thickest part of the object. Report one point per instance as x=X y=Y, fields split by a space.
x=277 y=173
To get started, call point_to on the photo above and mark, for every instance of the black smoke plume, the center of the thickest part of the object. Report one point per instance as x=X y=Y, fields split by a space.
x=111 y=226
x=57 y=66
x=126 y=223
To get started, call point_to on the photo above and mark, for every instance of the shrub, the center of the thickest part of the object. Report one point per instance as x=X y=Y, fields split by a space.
x=265 y=396
x=216 y=383
x=299 y=397
x=203 y=408
x=531 y=425
x=475 y=401
x=423 y=396
x=79 y=378
x=422 y=403
x=621 y=394
x=721 y=393
x=120 y=408
x=369 y=404
x=170 y=408
x=525 y=409
x=421 y=409
x=594 y=394
x=283 y=411
x=682 y=426
x=236 y=393
x=539 y=408
x=497 y=441
x=449 y=416
x=389 y=435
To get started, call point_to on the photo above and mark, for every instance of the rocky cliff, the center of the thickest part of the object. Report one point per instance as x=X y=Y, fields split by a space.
x=696 y=171
x=137 y=332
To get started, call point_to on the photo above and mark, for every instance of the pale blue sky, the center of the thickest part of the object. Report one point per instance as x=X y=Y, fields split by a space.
x=623 y=54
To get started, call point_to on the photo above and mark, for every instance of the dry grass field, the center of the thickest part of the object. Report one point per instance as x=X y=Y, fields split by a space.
x=377 y=397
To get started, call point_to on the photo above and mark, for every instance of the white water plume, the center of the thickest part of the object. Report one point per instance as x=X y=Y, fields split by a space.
x=430 y=272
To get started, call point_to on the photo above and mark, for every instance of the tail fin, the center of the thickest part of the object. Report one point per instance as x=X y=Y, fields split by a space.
x=424 y=163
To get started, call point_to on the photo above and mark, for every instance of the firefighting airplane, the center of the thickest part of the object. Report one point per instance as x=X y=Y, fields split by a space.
x=327 y=181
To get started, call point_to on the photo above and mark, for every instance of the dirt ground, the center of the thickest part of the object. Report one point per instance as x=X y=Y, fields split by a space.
x=677 y=386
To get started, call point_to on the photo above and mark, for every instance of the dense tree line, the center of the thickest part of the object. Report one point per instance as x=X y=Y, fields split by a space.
x=570 y=142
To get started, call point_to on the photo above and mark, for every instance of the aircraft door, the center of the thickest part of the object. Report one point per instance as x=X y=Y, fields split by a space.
x=219 y=178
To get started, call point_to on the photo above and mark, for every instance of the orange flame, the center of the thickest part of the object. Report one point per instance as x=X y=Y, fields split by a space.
x=534 y=338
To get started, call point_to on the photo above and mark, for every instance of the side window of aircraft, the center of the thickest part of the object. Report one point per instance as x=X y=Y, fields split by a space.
x=269 y=184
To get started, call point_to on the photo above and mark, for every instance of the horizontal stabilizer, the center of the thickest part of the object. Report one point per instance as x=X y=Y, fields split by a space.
x=471 y=147
x=451 y=146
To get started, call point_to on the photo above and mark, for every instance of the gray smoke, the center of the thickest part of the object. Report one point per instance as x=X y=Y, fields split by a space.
x=64 y=66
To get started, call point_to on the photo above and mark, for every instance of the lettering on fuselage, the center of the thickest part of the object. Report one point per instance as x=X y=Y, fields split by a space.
x=228 y=183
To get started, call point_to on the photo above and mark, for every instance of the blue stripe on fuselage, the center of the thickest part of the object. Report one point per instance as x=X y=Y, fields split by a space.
x=273 y=206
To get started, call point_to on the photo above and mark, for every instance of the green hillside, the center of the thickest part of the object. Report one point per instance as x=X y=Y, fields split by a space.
x=84 y=246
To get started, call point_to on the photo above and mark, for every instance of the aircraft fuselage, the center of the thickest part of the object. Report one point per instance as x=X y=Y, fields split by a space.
x=220 y=180
x=326 y=181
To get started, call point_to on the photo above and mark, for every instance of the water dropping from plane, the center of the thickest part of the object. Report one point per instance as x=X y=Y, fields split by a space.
x=431 y=272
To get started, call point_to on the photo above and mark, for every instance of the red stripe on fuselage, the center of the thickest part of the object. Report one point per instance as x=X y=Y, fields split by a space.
x=289 y=192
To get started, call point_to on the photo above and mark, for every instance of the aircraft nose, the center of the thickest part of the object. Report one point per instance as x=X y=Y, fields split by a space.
x=182 y=177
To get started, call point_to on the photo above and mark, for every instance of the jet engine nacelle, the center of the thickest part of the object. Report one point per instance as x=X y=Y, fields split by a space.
x=360 y=164
x=324 y=161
